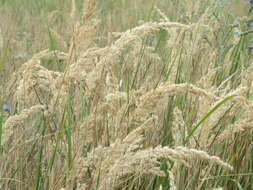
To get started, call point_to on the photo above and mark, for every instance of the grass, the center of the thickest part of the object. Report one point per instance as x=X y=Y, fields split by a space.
x=126 y=95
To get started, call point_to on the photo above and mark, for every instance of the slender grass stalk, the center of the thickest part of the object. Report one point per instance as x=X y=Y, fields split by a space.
x=40 y=177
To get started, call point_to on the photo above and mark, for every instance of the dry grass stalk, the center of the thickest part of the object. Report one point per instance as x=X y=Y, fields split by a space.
x=162 y=14
x=90 y=10
x=73 y=10
x=1 y=41
x=179 y=131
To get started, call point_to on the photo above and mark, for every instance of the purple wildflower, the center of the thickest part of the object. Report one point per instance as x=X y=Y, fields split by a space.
x=42 y=102
x=235 y=24
x=6 y=107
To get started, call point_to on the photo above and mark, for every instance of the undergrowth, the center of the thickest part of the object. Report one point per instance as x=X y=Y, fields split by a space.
x=126 y=95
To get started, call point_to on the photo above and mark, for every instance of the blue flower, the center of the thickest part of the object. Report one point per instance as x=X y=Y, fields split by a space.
x=235 y=24
x=6 y=108
x=237 y=33
x=42 y=102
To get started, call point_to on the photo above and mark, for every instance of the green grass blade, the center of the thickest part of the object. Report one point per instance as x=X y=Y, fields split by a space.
x=69 y=144
x=205 y=117
x=52 y=42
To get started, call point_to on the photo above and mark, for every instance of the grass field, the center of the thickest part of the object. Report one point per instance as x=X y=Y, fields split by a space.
x=126 y=95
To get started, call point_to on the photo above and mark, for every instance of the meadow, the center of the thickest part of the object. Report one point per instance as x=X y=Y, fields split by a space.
x=126 y=95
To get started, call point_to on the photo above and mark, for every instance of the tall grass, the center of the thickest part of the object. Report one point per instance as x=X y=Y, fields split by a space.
x=126 y=95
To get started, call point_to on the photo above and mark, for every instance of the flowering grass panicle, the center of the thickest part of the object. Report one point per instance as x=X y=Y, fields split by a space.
x=18 y=119
x=125 y=95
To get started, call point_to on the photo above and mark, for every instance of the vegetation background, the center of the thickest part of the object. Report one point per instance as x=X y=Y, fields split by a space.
x=126 y=94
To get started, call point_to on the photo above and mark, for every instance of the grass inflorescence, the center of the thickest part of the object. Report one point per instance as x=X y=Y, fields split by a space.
x=126 y=95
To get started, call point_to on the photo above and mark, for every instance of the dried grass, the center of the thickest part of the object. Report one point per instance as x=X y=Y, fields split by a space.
x=129 y=112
